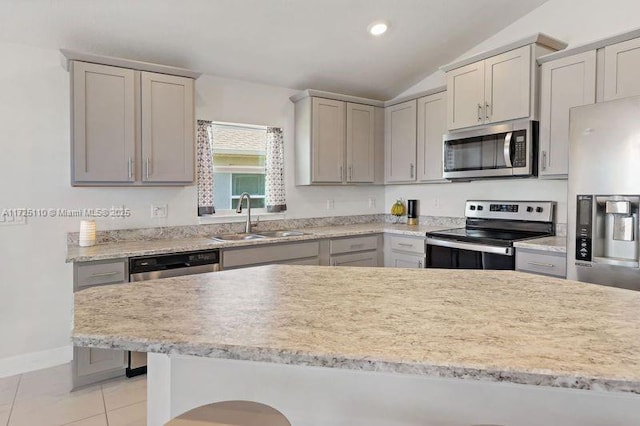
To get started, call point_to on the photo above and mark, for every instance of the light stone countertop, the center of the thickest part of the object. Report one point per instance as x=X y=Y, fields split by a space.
x=115 y=250
x=552 y=244
x=481 y=325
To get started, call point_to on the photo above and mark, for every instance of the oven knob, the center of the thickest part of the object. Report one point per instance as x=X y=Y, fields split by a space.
x=529 y=209
x=472 y=207
x=480 y=208
x=539 y=209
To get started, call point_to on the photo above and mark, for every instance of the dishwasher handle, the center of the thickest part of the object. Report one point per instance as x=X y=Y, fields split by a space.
x=176 y=272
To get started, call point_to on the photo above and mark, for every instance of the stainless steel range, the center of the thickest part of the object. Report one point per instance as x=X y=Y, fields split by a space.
x=486 y=242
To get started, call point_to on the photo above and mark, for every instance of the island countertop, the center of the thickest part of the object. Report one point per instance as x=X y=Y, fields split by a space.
x=484 y=325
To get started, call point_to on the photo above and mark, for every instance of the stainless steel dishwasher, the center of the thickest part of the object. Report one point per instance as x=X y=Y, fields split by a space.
x=145 y=268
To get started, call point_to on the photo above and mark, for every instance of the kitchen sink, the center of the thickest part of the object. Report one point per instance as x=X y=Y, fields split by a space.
x=267 y=234
x=237 y=237
x=282 y=234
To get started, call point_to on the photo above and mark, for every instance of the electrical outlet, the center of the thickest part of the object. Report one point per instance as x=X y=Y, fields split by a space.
x=330 y=205
x=372 y=203
x=158 y=212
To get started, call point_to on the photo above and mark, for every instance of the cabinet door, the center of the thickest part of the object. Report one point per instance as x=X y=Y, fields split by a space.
x=432 y=119
x=360 y=143
x=566 y=83
x=465 y=96
x=365 y=259
x=508 y=85
x=403 y=260
x=168 y=128
x=104 y=123
x=328 y=140
x=621 y=69
x=400 y=142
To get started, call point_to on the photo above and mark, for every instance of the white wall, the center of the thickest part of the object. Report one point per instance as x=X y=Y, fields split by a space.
x=575 y=22
x=35 y=281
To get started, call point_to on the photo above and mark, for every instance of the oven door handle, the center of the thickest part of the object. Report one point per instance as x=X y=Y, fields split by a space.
x=506 y=251
x=507 y=150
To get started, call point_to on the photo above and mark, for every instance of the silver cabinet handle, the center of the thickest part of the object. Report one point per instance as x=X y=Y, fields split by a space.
x=479 y=112
x=405 y=245
x=147 y=171
x=420 y=264
x=341 y=172
x=355 y=246
x=104 y=274
x=543 y=265
x=130 y=165
x=486 y=110
x=411 y=170
x=544 y=160
x=351 y=172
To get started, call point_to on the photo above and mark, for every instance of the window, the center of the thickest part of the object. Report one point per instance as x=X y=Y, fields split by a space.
x=238 y=164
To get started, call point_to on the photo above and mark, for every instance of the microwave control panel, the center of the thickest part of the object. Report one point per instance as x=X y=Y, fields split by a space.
x=584 y=228
x=520 y=148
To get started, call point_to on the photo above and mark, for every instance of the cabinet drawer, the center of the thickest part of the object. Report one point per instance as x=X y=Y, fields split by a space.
x=348 y=245
x=276 y=253
x=407 y=244
x=368 y=259
x=541 y=262
x=100 y=273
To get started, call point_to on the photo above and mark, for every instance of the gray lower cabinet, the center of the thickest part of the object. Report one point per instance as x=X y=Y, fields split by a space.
x=302 y=253
x=91 y=365
x=404 y=251
x=541 y=262
x=356 y=251
x=131 y=127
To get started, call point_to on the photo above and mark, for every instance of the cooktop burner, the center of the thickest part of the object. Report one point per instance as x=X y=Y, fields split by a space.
x=496 y=237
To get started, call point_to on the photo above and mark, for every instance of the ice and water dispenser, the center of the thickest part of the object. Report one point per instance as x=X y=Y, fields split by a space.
x=607 y=229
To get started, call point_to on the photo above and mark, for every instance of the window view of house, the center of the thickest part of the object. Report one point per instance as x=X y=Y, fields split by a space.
x=238 y=164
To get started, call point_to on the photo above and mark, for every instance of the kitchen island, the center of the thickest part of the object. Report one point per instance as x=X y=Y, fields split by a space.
x=376 y=346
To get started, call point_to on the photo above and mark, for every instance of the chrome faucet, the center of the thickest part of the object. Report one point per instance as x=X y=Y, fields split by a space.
x=246 y=195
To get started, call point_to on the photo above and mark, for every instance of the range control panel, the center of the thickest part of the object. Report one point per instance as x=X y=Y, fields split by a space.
x=538 y=211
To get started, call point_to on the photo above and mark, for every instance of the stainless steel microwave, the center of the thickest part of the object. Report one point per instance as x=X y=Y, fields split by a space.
x=504 y=150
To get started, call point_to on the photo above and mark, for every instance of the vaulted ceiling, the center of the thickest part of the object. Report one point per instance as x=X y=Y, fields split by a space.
x=320 y=44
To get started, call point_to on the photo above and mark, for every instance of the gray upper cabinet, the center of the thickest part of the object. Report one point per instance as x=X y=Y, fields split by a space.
x=103 y=124
x=432 y=125
x=400 y=142
x=622 y=62
x=168 y=128
x=566 y=83
x=337 y=142
x=328 y=136
x=360 y=143
x=131 y=127
x=490 y=91
x=465 y=91
x=508 y=85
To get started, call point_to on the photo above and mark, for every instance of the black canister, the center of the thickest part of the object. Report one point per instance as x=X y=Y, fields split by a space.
x=412 y=212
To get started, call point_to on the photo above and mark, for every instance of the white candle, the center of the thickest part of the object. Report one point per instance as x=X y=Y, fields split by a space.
x=87 y=233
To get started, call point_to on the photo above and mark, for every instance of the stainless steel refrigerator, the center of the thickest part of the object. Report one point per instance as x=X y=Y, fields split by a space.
x=604 y=194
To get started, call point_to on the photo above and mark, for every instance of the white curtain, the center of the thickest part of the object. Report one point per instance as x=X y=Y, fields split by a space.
x=274 y=171
x=205 y=168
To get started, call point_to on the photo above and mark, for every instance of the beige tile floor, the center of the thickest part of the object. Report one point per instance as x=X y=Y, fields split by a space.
x=44 y=398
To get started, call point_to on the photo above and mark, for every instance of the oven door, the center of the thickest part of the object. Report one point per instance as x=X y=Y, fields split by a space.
x=450 y=254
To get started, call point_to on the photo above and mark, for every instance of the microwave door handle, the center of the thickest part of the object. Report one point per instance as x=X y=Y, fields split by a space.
x=507 y=150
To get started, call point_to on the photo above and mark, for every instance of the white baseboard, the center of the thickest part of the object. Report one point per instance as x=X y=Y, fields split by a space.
x=35 y=361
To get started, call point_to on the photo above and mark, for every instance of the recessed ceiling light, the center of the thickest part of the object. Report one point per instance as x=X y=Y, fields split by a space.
x=378 y=28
